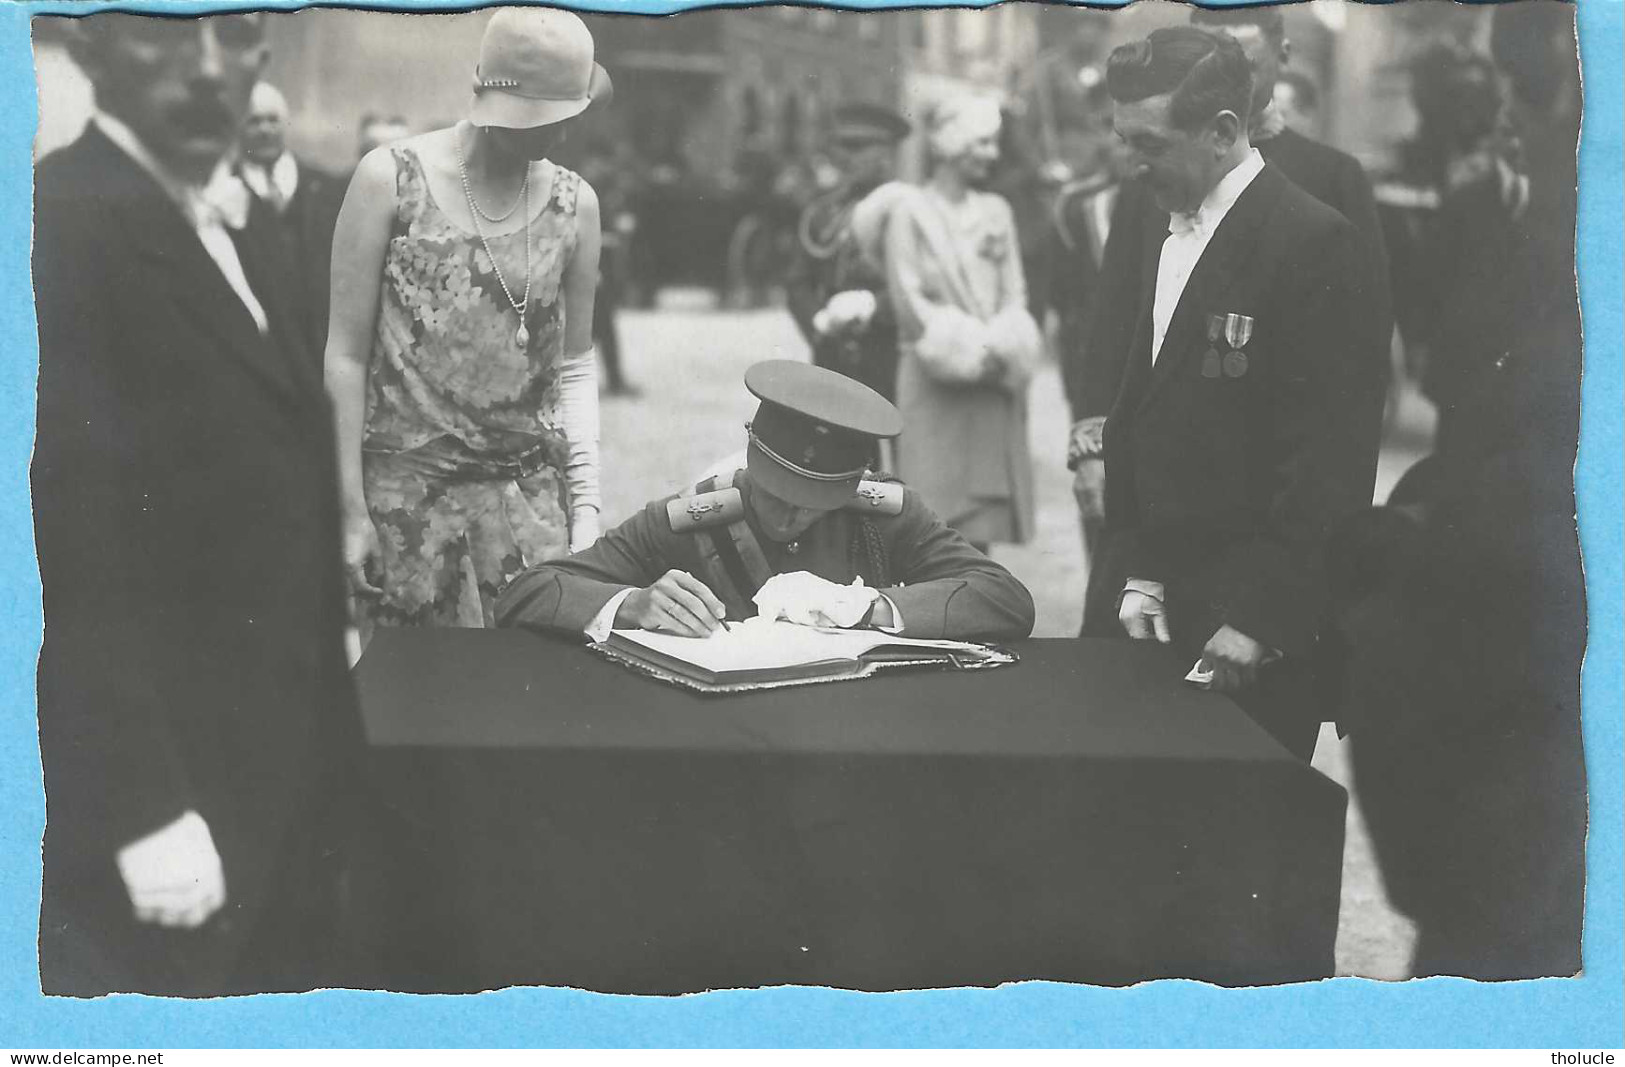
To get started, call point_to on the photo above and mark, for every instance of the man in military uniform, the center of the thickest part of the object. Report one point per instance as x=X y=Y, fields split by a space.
x=857 y=335
x=799 y=524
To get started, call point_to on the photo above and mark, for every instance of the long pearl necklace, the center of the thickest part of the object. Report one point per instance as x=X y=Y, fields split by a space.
x=522 y=335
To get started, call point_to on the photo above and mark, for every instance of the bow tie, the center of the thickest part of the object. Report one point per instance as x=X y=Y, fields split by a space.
x=1180 y=223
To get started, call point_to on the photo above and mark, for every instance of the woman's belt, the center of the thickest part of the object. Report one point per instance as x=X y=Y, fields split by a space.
x=450 y=457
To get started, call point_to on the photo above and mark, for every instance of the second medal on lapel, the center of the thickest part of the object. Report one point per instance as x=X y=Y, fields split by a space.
x=1238 y=330
x=1210 y=359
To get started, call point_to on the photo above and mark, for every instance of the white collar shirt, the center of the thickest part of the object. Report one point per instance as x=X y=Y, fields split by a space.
x=1188 y=237
x=210 y=209
x=275 y=184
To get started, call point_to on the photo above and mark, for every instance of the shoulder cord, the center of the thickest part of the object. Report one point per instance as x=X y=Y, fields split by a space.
x=869 y=547
x=868 y=550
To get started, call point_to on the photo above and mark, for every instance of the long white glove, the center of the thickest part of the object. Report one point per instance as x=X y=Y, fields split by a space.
x=808 y=600
x=173 y=875
x=578 y=413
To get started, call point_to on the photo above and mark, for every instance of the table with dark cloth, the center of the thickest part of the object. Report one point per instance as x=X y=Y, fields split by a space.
x=543 y=816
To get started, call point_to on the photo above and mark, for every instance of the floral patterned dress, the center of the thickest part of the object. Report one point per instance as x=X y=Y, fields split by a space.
x=463 y=454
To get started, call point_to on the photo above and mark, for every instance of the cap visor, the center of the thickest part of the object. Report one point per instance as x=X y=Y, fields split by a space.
x=795 y=489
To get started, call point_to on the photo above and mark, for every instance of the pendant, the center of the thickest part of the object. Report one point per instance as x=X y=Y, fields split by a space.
x=522 y=336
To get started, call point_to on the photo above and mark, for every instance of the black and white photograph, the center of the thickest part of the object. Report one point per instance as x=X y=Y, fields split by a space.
x=788 y=496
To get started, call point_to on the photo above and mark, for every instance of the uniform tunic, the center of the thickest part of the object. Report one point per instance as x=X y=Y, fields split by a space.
x=940 y=585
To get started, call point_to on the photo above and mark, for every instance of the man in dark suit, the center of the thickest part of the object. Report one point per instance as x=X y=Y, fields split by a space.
x=1138 y=226
x=304 y=200
x=197 y=724
x=1463 y=601
x=1249 y=415
x=1076 y=250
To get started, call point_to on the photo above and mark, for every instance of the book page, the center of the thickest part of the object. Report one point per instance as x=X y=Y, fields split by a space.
x=757 y=644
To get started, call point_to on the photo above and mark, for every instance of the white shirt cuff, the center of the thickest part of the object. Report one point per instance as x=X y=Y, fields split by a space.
x=896 y=616
x=603 y=622
x=1144 y=586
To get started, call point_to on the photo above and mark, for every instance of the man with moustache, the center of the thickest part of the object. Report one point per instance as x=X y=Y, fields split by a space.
x=1138 y=226
x=197 y=723
x=1248 y=418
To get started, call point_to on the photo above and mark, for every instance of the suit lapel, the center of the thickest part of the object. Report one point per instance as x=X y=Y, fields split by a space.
x=176 y=262
x=270 y=273
x=1226 y=254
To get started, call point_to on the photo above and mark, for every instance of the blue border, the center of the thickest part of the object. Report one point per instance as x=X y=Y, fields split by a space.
x=1587 y=1012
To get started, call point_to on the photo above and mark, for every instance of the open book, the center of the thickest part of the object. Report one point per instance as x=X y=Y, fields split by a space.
x=757 y=654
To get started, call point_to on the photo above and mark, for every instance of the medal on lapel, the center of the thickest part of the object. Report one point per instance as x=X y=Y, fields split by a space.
x=1210 y=359
x=1238 y=330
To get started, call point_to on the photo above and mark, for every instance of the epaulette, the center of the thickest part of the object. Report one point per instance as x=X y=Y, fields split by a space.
x=877 y=498
x=704 y=510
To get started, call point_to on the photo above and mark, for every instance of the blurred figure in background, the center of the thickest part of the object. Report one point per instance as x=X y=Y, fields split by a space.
x=837 y=295
x=1029 y=183
x=969 y=345
x=460 y=358
x=1463 y=599
x=1076 y=248
x=1461 y=137
x=304 y=199
x=612 y=170
x=1297 y=100
x=378 y=130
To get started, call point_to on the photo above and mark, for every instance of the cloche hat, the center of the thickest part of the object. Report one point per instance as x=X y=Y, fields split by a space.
x=536 y=68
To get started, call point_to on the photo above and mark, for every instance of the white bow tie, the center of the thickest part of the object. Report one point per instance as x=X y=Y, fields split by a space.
x=1180 y=223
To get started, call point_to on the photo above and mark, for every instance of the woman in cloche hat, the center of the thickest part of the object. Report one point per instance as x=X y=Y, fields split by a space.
x=459 y=352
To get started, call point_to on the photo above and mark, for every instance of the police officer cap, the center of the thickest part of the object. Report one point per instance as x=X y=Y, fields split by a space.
x=862 y=123
x=814 y=433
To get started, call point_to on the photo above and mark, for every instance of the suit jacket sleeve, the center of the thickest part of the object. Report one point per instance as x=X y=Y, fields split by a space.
x=565 y=595
x=949 y=589
x=1070 y=293
x=106 y=678
x=1323 y=413
x=1111 y=333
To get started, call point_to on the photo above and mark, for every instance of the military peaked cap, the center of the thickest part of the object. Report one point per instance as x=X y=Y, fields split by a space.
x=815 y=432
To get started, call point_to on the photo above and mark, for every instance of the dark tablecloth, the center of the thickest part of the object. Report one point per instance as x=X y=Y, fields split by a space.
x=544 y=817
